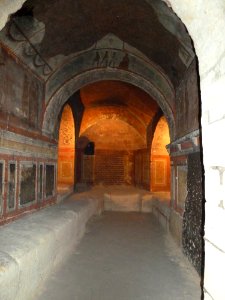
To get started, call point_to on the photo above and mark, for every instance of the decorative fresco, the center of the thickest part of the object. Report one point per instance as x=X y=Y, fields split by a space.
x=188 y=104
x=40 y=182
x=12 y=181
x=27 y=183
x=49 y=180
x=160 y=161
x=1 y=185
x=66 y=147
x=22 y=97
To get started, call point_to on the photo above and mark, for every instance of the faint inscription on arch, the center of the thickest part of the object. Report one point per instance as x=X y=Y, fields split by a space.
x=111 y=59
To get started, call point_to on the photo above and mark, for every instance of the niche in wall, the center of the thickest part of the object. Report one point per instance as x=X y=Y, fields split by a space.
x=40 y=182
x=12 y=178
x=27 y=183
x=49 y=180
x=66 y=147
x=160 y=160
x=1 y=185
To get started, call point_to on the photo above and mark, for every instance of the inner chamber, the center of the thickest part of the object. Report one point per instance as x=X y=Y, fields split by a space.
x=120 y=139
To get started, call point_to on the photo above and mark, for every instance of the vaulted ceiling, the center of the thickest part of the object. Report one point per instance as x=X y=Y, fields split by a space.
x=61 y=28
x=48 y=33
x=113 y=107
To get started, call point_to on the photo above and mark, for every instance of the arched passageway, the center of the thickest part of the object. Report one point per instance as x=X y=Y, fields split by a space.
x=160 y=160
x=47 y=76
x=66 y=150
x=115 y=118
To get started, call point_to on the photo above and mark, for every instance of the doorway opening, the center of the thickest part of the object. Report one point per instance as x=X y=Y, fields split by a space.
x=160 y=159
x=66 y=150
x=115 y=120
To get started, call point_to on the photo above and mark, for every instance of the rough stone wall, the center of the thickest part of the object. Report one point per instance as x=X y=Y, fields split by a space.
x=193 y=212
x=180 y=151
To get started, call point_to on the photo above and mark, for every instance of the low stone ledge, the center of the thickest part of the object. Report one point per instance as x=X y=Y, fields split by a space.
x=9 y=277
x=119 y=201
x=176 y=222
x=31 y=247
x=161 y=208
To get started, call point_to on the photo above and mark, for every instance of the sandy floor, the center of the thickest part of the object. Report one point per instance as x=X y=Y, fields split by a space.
x=124 y=256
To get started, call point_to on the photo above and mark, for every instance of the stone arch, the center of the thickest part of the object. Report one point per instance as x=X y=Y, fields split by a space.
x=199 y=17
x=60 y=97
x=66 y=147
x=159 y=157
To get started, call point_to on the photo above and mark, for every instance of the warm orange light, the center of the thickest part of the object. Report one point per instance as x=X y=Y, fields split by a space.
x=66 y=148
x=160 y=160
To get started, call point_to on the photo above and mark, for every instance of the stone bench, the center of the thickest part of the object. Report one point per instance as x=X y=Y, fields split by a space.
x=33 y=246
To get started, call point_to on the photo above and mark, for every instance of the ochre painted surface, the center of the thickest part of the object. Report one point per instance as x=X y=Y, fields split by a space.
x=160 y=160
x=66 y=147
x=114 y=135
x=114 y=100
x=187 y=99
x=160 y=173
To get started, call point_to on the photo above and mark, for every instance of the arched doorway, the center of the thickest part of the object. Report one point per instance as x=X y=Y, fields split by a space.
x=160 y=160
x=66 y=150
x=207 y=63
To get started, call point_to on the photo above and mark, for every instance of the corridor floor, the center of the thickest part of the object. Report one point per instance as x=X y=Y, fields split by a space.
x=124 y=256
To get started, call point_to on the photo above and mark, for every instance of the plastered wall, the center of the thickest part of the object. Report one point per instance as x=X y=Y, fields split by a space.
x=27 y=159
x=66 y=148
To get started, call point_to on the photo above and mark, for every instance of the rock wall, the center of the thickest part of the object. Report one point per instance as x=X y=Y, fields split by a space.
x=193 y=221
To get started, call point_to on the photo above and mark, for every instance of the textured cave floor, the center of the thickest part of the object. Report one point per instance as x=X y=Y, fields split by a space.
x=124 y=256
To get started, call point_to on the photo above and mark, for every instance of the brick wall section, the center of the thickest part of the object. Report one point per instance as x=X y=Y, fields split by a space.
x=113 y=167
